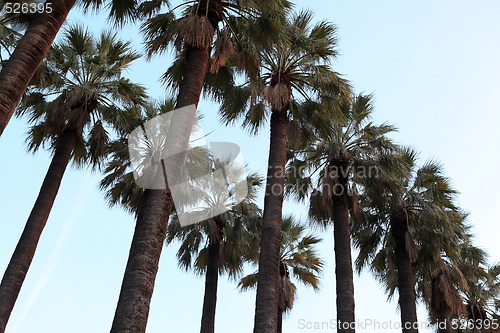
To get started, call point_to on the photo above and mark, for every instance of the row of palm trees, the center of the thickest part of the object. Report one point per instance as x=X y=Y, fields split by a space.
x=257 y=61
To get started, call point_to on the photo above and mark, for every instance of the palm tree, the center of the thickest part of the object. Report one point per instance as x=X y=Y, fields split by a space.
x=440 y=281
x=29 y=53
x=397 y=205
x=482 y=297
x=459 y=289
x=344 y=153
x=293 y=73
x=298 y=260
x=217 y=245
x=224 y=232
x=194 y=34
x=73 y=109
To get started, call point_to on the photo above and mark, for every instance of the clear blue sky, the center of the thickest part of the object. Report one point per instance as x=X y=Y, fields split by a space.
x=434 y=67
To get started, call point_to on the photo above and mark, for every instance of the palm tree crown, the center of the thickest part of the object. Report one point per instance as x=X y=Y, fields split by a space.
x=81 y=88
x=294 y=68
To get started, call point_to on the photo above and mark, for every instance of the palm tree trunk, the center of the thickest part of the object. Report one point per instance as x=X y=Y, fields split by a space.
x=342 y=247
x=132 y=310
x=406 y=280
x=280 y=321
x=25 y=250
x=138 y=281
x=279 y=318
x=267 y=285
x=211 y=280
x=17 y=73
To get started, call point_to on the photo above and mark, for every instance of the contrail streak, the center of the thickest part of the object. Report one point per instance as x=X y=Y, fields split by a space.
x=57 y=251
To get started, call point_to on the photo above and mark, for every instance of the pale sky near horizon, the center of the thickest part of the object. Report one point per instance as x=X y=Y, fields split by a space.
x=434 y=69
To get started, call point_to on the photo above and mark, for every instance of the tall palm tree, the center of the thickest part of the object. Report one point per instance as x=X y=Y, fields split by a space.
x=344 y=155
x=215 y=246
x=397 y=205
x=29 y=53
x=440 y=281
x=73 y=110
x=211 y=247
x=224 y=232
x=293 y=73
x=121 y=189
x=194 y=34
x=449 y=269
x=298 y=260
x=482 y=298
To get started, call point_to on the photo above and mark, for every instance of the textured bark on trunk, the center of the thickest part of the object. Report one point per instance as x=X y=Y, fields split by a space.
x=342 y=247
x=132 y=310
x=406 y=280
x=267 y=286
x=211 y=281
x=29 y=53
x=25 y=250
x=279 y=318
x=138 y=282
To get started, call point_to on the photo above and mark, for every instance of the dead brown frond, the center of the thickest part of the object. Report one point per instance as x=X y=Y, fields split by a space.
x=410 y=247
x=278 y=96
x=287 y=294
x=196 y=31
x=294 y=134
x=82 y=102
x=354 y=203
x=445 y=294
x=320 y=207
x=224 y=49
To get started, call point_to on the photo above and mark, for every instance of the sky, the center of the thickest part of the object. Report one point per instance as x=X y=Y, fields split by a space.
x=434 y=70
